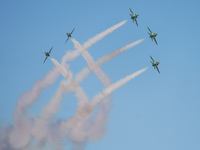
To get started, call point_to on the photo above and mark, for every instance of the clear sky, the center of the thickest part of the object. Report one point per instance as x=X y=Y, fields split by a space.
x=153 y=111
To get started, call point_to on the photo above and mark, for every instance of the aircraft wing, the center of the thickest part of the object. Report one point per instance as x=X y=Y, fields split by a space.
x=131 y=12
x=149 y=30
x=67 y=40
x=72 y=31
x=157 y=69
x=152 y=59
x=155 y=40
x=136 y=22
x=45 y=59
x=50 y=50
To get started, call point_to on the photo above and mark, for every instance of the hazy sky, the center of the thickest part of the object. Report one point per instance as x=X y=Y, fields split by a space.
x=153 y=111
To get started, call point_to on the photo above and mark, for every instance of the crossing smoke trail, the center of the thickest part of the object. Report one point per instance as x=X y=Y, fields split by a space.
x=96 y=127
x=100 y=117
x=80 y=76
x=27 y=99
x=72 y=128
x=40 y=131
x=99 y=98
x=73 y=125
x=84 y=73
x=53 y=106
x=78 y=134
x=71 y=55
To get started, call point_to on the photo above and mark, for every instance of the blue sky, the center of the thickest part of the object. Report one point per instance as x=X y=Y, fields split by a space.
x=153 y=111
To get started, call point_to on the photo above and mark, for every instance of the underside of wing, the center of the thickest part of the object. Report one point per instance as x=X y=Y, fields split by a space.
x=149 y=30
x=152 y=59
x=72 y=31
x=131 y=12
x=136 y=22
x=155 y=40
x=45 y=59
x=67 y=40
x=50 y=50
x=157 y=69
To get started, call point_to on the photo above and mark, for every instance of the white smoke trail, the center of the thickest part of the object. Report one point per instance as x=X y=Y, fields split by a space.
x=40 y=130
x=86 y=71
x=27 y=99
x=80 y=77
x=96 y=128
x=91 y=64
x=72 y=128
x=55 y=102
x=71 y=55
x=98 y=98
x=21 y=111
x=117 y=52
x=99 y=119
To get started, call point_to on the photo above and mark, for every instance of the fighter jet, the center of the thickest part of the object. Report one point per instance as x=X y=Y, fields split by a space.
x=155 y=64
x=69 y=35
x=47 y=54
x=152 y=35
x=134 y=16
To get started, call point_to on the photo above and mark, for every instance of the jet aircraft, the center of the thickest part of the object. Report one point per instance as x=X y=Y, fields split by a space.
x=155 y=64
x=134 y=16
x=152 y=35
x=69 y=35
x=47 y=54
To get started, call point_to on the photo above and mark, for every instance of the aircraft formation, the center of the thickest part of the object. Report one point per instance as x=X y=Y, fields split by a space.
x=134 y=18
x=151 y=35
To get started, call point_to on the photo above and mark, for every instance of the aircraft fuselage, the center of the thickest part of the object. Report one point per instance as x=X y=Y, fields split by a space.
x=69 y=34
x=155 y=63
x=47 y=54
x=153 y=35
x=135 y=16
